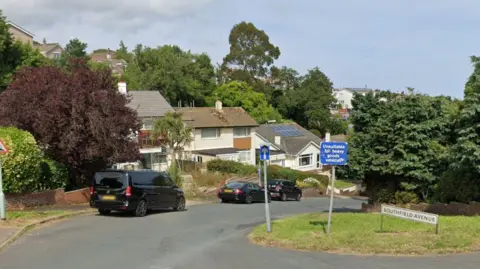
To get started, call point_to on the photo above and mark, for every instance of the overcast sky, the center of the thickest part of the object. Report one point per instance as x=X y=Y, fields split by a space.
x=391 y=44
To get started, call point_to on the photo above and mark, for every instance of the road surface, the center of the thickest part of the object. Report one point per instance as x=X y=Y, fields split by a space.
x=210 y=236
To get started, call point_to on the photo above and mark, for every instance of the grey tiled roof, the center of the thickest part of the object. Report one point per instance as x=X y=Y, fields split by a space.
x=290 y=145
x=149 y=103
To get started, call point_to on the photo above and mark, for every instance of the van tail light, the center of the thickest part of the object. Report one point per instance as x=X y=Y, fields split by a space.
x=278 y=187
x=128 y=192
x=238 y=191
x=91 y=190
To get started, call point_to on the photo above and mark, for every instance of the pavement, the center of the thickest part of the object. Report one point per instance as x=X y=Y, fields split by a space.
x=207 y=236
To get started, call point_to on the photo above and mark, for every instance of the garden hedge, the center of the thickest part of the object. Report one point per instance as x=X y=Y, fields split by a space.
x=273 y=171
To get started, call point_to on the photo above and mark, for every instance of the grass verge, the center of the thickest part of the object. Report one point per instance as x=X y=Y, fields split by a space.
x=340 y=184
x=22 y=218
x=358 y=233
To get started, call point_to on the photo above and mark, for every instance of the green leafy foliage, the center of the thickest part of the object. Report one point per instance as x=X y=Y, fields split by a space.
x=178 y=75
x=400 y=143
x=273 y=171
x=54 y=175
x=21 y=166
x=240 y=94
x=175 y=173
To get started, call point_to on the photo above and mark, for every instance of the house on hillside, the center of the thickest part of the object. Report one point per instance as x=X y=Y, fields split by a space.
x=344 y=96
x=108 y=57
x=49 y=50
x=20 y=34
x=291 y=145
x=150 y=106
x=219 y=132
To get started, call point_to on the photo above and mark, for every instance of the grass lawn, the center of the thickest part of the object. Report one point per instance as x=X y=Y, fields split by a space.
x=340 y=184
x=21 y=218
x=358 y=233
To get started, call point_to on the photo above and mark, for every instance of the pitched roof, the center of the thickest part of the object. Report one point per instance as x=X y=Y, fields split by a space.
x=149 y=103
x=291 y=142
x=205 y=117
x=45 y=48
x=20 y=28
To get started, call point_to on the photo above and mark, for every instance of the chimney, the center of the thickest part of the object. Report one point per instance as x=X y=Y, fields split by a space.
x=278 y=139
x=218 y=105
x=327 y=137
x=122 y=87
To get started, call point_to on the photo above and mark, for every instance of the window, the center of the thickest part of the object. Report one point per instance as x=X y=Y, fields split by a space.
x=244 y=156
x=318 y=160
x=241 y=131
x=159 y=158
x=305 y=160
x=210 y=133
x=56 y=55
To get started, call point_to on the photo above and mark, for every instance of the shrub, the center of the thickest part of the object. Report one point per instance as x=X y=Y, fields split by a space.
x=53 y=175
x=405 y=197
x=21 y=166
x=273 y=171
x=175 y=173
x=208 y=179
x=231 y=167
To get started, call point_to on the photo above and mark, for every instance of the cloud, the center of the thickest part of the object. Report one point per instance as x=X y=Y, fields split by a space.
x=107 y=15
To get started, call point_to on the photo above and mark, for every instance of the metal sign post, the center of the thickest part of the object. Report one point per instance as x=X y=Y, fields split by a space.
x=265 y=156
x=333 y=153
x=3 y=214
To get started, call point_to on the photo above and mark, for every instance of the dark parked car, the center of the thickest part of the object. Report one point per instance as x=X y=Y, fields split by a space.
x=134 y=191
x=242 y=192
x=284 y=189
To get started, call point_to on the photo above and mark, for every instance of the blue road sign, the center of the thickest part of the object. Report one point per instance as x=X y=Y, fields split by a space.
x=333 y=153
x=264 y=153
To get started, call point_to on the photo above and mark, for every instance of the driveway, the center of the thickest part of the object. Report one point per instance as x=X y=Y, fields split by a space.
x=206 y=236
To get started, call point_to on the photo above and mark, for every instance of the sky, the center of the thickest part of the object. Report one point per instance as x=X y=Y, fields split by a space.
x=390 y=45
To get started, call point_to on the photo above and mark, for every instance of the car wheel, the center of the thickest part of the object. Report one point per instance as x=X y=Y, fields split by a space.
x=223 y=201
x=141 y=209
x=248 y=199
x=269 y=198
x=299 y=197
x=180 y=206
x=104 y=212
x=284 y=197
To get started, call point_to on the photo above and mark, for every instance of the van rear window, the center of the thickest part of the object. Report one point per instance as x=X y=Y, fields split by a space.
x=113 y=180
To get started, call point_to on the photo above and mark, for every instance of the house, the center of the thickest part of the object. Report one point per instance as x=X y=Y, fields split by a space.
x=49 y=50
x=20 y=34
x=150 y=106
x=219 y=132
x=108 y=57
x=291 y=145
x=344 y=96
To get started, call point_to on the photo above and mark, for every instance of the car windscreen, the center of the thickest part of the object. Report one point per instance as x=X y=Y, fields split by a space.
x=234 y=185
x=113 y=180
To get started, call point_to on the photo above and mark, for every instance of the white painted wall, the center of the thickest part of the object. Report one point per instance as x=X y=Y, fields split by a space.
x=224 y=141
x=344 y=98
x=312 y=149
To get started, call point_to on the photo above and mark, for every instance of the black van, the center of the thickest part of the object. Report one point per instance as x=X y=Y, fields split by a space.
x=134 y=191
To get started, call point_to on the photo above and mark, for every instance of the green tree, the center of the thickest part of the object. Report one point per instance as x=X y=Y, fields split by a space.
x=309 y=105
x=15 y=55
x=240 y=94
x=75 y=50
x=400 y=143
x=122 y=53
x=462 y=182
x=178 y=75
x=250 y=50
x=176 y=135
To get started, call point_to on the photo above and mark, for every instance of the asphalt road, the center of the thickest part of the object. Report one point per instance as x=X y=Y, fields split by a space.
x=204 y=237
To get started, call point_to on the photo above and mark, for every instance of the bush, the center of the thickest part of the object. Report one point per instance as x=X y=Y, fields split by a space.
x=231 y=167
x=175 y=173
x=21 y=166
x=208 y=179
x=405 y=197
x=53 y=175
x=273 y=172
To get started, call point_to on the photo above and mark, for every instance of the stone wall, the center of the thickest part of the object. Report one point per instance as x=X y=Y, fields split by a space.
x=452 y=209
x=47 y=198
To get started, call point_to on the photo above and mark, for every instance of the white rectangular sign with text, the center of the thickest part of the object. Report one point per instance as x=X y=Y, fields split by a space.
x=410 y=214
